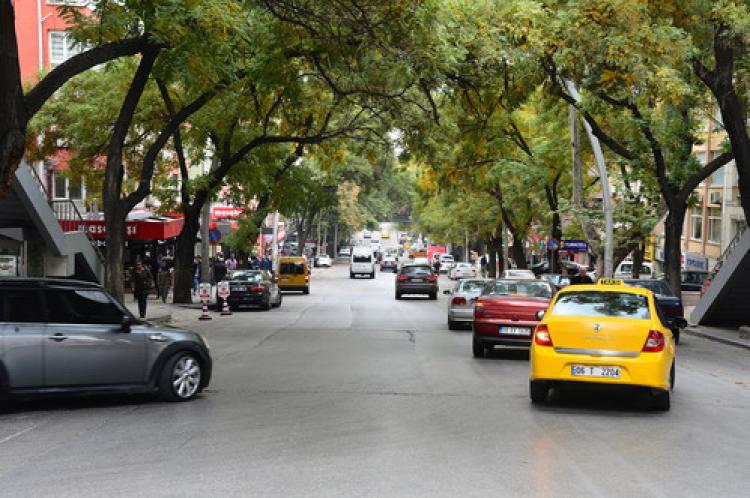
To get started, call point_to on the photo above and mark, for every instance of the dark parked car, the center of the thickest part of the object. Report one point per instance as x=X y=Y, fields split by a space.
x=693 y=280
x=65 y=336
x=251 y=288
x=669 y=304
x=417 y=279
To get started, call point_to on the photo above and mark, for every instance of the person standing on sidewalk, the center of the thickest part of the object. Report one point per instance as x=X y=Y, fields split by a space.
x=142 y=283
x=197 y=268
x=165 y=282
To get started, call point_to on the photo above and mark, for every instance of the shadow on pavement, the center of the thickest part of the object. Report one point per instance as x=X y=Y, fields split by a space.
x=584 y=398
x=44 y=403
x=507 y=354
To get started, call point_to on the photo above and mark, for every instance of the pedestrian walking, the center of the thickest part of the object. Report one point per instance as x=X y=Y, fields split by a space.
x=483 y=266
x=165 y=282
x=220 y=268
x=142 y=282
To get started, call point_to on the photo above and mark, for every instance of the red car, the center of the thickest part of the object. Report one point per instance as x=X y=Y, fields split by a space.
x=506 y=313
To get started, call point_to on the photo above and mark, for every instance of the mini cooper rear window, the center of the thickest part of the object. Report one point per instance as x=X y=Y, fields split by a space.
x=602 y=304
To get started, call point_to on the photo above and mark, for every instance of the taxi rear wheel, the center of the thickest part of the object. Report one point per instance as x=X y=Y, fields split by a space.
x=661 y=401
x=538 y=391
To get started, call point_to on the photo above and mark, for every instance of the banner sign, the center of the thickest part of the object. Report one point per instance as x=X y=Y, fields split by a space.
x=572 y=245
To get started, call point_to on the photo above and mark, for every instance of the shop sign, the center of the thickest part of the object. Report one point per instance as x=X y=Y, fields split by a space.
x=226 y=212
x=572 y=245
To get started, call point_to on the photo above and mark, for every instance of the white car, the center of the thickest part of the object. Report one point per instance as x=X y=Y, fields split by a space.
x=421 y=261
x=462 y=270
x=324 y=260
x=446 y=262
x=519 y=274
x=345 y=251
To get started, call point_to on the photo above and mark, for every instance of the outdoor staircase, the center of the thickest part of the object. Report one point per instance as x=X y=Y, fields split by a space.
x=74 y=248
x=727 y=300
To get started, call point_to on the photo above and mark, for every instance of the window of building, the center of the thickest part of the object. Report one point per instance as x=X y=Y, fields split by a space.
x=62 y=47
x=717 y=177
x=714 y=225
x=696 y=218
x=65 y=188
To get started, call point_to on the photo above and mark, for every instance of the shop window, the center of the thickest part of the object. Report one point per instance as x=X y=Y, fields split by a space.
x=60 y=186
x=696 y=218
x=714 y=225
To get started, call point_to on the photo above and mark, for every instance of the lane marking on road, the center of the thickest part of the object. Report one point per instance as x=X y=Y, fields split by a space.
x=17 y=434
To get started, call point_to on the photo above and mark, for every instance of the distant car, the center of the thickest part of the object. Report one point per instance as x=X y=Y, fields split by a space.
x=324 y=260
x=693 y=280
x=668 y=303
x=608 y=334
x=251 y=288
x=362 y=263
x=385 y=234
x=421 y=261
x=388 y=263
x=415 y=278
x=345 y=251
x=66 y=336
x=462 y=270
x=506 y=313
x=461 y=303
x=625 y=270
x=519 y=274
x=446 y=262
x=366 y=234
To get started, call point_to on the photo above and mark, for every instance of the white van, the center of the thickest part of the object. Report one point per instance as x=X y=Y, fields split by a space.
x=625 y=270
x=446 y=262
x=362 y=262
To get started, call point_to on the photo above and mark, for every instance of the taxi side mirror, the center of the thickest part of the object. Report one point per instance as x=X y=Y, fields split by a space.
x=540 y=315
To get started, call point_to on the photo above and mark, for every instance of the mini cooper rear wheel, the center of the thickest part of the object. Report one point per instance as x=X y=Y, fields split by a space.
x=180 y=379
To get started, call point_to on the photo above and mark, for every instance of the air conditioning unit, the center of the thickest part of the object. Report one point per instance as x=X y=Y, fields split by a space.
x=715 y=198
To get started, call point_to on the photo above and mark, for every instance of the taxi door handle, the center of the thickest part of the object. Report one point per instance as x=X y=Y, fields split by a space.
x=59 y=337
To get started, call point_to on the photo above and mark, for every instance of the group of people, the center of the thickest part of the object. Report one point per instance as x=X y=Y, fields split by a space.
x=156 y=274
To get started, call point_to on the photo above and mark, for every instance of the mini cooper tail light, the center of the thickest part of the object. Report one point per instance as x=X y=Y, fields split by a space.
x=458 y=300
x=541 y=336
x=654 y=342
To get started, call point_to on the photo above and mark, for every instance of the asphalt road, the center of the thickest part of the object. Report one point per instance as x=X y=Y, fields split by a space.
x=347 y=392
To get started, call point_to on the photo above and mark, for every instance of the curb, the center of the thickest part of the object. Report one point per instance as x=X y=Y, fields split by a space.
x=160 y=320
x=710 y=337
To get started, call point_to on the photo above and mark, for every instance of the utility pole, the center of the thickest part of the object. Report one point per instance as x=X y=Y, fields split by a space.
x=205 y=222
x=275 y=242
x=335 y=239
x=604 y=183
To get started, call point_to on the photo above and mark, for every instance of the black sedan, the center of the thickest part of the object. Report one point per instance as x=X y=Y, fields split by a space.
x=670 y=305
x=251 y=288
x=417 y=279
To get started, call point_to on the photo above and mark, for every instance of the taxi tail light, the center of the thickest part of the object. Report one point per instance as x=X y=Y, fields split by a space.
x=458 y=300
x=654 y=342
x=542 y=337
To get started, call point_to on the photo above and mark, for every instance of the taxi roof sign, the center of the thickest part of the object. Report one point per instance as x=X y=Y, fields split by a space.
x=611 y=281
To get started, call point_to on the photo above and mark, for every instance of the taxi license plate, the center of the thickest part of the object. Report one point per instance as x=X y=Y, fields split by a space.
x=598 y=371
x=515 y=330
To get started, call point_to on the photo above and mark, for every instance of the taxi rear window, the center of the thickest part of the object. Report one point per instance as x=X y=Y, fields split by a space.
x=602 y=304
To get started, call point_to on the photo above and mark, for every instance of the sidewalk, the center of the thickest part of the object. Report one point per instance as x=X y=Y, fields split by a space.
x=729 y=336
x=166 y=313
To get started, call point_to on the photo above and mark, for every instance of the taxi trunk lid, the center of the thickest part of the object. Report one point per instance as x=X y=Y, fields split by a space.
x=606 y=334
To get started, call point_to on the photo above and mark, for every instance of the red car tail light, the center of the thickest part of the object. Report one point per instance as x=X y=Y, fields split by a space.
x=479 y=308
x=541 y=336
x=458 y=300
x=257 y=288
x=654 y=342
x=432 y=278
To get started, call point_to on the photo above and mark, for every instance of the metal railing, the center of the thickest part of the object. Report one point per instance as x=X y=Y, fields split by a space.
x=66 y=211
x=730 y=247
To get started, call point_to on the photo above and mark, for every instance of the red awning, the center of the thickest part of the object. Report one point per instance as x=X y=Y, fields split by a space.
x=155 y=228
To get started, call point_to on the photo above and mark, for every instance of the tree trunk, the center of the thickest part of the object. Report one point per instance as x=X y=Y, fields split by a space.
x=734 y=122
x=672 y=250
x=556 y=232
x=518 y=251
x=184 y=256
x=114 y=259
x=13 y=115
x=637 y=261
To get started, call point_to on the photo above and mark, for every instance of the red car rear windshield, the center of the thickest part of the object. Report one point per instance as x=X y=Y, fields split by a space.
x=520 y=288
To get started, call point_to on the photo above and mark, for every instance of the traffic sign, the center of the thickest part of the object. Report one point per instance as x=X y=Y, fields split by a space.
x=553 y=244
x=222 y=289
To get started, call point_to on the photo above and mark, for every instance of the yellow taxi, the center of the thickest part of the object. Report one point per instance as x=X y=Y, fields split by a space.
x=607 y=333
x=294 y=274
